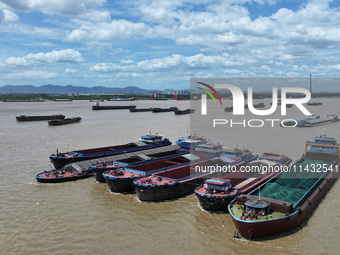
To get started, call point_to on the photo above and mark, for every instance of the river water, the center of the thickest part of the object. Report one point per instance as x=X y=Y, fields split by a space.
x=84 y=217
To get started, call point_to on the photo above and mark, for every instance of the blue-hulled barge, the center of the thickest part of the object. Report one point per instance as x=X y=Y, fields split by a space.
x=59 y=160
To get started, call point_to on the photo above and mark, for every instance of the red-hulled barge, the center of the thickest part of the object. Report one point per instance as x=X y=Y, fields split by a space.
x=121 y=179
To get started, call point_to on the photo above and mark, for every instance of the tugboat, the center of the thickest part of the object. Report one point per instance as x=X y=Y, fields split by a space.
x=59 y=160
x=217 y=193
x=285 y=202
x=121 y=179
x=61 y=175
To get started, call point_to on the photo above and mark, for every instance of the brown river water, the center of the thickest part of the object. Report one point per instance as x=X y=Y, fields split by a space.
x=84 y=217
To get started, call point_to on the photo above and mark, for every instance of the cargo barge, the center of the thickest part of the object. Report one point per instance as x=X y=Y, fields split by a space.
x=64 y=121
x=284 y=203
x=40 y=117
x=112 y=107
x=183 y=180
x=147 y=142
x=216 y=194
x=327 y=119
x=121 y=179
x=100 y=168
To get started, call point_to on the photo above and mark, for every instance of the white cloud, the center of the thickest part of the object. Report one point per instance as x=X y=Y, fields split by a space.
x=8 y=16
x=175 y=62
x=63 y=56
x=68 y=70
x=67 y=7
x=115 y=30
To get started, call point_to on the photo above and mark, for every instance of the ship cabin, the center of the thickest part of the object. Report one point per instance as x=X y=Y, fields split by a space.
x=243 y=155
x=277 y=158
x=323 y=144
x=257 y=207
x=210 y=149
x=150 y=139
x=188 y=144
x=215 y=185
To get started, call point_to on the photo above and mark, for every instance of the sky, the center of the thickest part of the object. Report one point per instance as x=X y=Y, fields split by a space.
x=162 y=44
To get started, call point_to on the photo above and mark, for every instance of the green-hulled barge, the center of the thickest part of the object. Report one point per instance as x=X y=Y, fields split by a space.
x=283 y=203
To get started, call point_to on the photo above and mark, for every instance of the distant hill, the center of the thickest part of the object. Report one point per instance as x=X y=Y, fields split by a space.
x=58 y=89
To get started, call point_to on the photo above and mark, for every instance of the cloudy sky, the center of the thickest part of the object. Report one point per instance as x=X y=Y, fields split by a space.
x=161 y=44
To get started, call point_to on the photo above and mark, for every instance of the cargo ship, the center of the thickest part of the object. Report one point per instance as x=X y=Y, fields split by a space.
x=100 y=168
x=121 y=179
x=170 y=109
x=65 y=121
x=146 y=142
x=183 y=180
x=40 y=117
x=327 y=119
x=140 y=109
x=284 y=203
x=217 y=193
x=112 y=107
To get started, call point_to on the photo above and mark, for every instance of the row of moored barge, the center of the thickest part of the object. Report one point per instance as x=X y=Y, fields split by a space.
x=261 y=203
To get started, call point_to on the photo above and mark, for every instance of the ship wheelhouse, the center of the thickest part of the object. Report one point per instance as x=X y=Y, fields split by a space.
x=257 y=207
x=217 y=185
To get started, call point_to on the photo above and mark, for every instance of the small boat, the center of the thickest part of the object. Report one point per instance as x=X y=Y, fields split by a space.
x=228 y=109
x=217 y=193
x=141 y=109
x=327 y=119
x=112 y=107
x=171 y=109
x=314 y=103
x=40 y=117
x=59 y=122
x=147 y=142
x=286 y=202
x=187 y=111
x=61 y=175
